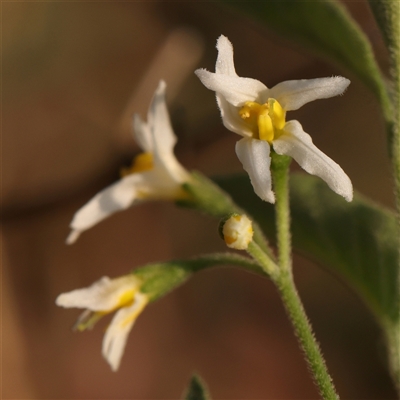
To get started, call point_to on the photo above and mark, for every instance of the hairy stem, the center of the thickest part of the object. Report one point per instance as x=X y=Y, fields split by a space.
x=285 y=284
x=305 y=336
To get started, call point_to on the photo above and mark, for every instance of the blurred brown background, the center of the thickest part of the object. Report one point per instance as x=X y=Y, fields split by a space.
x=73 y=73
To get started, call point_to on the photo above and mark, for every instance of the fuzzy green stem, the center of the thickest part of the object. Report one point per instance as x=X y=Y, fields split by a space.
x=387 y=14
x=392 y=331
x=280 y=178
x=284 y=280
x=305 y=336
x=266 y=263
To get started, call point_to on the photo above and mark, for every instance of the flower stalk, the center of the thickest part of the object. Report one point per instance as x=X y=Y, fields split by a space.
x=280 y=177
x=285 y=284
x=305 y=336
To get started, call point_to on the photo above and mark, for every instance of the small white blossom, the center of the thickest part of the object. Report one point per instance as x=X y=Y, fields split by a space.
x=155 y=174
x=238 y=232
x=257 y=113
x=103 y=297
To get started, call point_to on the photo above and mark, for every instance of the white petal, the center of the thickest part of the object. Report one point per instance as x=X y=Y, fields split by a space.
x=234 y=89
x=164 y=138
x=115 y=338
x=103 y=295
x=162 y=183
x=294 y=94
x=254 y=154
x=158 y=118
x=231 y=118
x=116 y=197
x=225 y=64
x=142 y=134
x=298 y=144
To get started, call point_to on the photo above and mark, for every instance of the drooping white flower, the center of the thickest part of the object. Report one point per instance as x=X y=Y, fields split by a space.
x=155 y=174
x=103 y=297
x=257 y=113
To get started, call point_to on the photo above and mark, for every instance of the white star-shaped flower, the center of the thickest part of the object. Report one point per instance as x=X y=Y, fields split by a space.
x=155 y=174
x=257 y=113
x=101 y=298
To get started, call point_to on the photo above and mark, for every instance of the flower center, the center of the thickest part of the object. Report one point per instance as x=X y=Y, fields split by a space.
x=265 y=120
x=126 y=298
x=142 y=162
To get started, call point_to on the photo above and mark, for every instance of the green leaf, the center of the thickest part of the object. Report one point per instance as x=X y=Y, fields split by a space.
x=197 y=390
x=327 y=28
x=356 y=240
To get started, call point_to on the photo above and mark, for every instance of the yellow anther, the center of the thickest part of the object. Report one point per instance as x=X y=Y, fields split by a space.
x=126 y=298
x=277 y=114
x=265 y=126
x=142 y=162
x=249 y=110
x=265 y=120
x=249 y=113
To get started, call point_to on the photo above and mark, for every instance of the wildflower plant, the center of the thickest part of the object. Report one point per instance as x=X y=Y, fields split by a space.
x=268 y=144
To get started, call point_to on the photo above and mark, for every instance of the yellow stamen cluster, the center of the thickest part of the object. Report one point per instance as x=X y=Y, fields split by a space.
x=265 y=120
x=142 y=162
x=126 y=299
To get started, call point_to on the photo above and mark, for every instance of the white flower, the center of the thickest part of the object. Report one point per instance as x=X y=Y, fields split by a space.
x=103 y=297
x=257 y=113
x=238 y=232
x=155 y=174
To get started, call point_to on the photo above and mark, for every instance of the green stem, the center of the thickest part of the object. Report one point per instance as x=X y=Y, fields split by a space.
x=284 y=280
x=392 y=331
x=280 y=178
x=387 y=14
x=266 y=263
x=305 y=336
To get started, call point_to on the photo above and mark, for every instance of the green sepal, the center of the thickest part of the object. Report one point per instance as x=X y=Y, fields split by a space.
x=197 y=389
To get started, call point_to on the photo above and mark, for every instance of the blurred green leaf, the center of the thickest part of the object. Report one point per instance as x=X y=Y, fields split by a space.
x=357 y=240
x=327 y=28
x=197 y=390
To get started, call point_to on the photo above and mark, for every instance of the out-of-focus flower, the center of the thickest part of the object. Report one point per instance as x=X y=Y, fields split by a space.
x=257 y=113
x=238 y=232
x=103 y=297
x=155 y=174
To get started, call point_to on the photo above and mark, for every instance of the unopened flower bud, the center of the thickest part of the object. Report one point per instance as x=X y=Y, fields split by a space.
x=238 y=232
